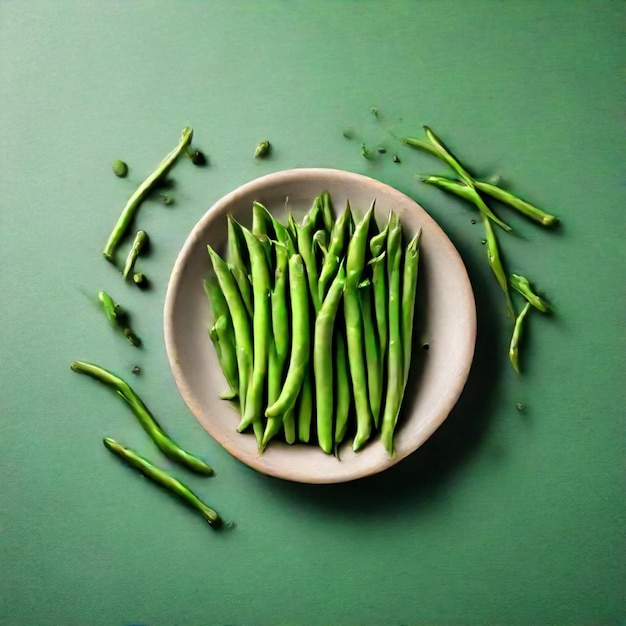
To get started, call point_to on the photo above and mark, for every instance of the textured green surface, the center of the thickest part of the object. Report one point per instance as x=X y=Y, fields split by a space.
x=503 y=517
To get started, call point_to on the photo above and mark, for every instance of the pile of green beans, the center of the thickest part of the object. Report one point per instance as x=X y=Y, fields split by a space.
x=312 y=325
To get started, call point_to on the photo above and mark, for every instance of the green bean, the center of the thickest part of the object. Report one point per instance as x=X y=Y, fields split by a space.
x=261 y=322
x=216 y=298
x=327 y=212
x=525 y=208
x=522 y=286
x=145 y=418
x=379 y=286
x=304 y=408
x=142 y=192
x=289 y=426
x=305 y=248
x=336 y=248
x=279 y=346
x=320 y=241
x=139 y=245
x=323 y=366
x=409 y=288
x=240 y=320
x=222 y=336
x=493 y=256
x=467 y=193
x=377 y=242
x=448 y=157
x=517 y=335
x=239 y=262
x=261 y=222
x=421 y=144
x=355 y=263
x=118 y=318
x=300 y=339
x=395 y=358
x=343 y=386
x=163 y=479
x=372 y=352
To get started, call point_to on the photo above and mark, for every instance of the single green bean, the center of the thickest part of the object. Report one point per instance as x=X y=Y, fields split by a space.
x=216 y=298
x=336 y=249
x=261 y=222
x=327 y=212
x=343 y=386
x=142 y=192
x=525 y=208
x=323 y=366
x=163 y=479
x=379 y=286
x=447 y=156
x=395 y=358
x=279 y=345
x=516 y=338
x=355 y=263
x=240 y=320
x=118 y=318
x=372 y=352
x=495 y=262
x=289 y=426
x=261 y=322
x=304 y=408
x=522 y=286
x=239 y=262
x=377 y=242
x=409 y=289
x=467 y=193
x=300 y=340
x=222 y=336
x=169 y=448
x=139 y=245
x=305 y=248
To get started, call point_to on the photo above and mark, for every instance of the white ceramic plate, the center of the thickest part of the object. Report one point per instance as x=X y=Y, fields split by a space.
x=445 y=318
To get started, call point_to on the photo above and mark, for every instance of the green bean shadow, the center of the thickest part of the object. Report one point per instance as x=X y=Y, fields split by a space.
x=421 y=478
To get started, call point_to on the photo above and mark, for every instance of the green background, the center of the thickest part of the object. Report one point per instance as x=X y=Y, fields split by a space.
x=503 y=517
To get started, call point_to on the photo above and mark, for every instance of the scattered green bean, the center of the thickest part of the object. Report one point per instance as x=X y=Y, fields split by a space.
x=145 y=418
x=522 y=286
x=516 y=337
x=140 y=244
x=493 y=256
x=118 y=318
x=142 y=192
x=163 y=479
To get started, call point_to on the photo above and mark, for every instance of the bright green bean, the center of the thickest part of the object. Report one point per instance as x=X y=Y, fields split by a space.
x=336 y=249
x=467 y=193
x=169 y=448
x=343 y=386
x=495 y=262
x=261 y=323
x=377 y=242
x=372 y=352
x=222 y=336
x=516 y=338
x=214 y=293
x=289 y=426
x=304 y=408
x=355 y=263
x=279 y=347
x=240 y=320
x=448 y=157
x=139 y=245
x=305 y=248
x=142 y=192
x=300 y=339
x=379 y=286
x=163 y=479
x=525 y=208
x=522 y=286
x=323 y=365
x=327 y=212
x=395 y=357
x=118 y=318
x=409 y=288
